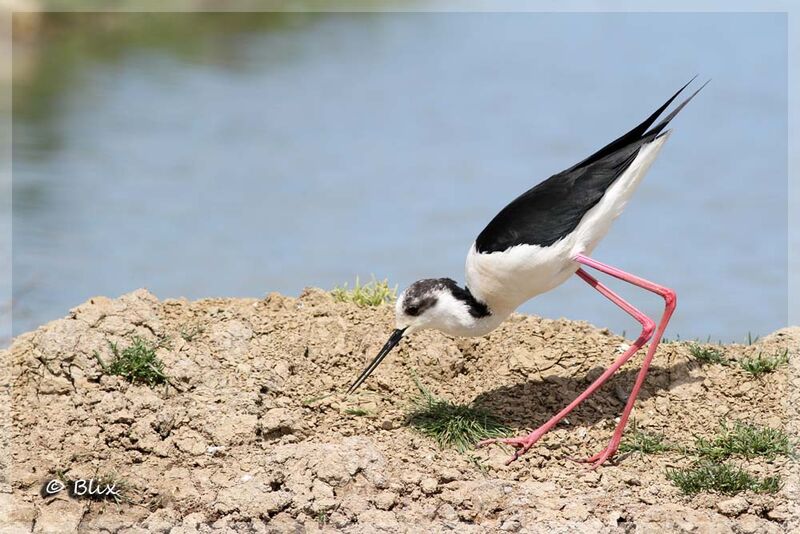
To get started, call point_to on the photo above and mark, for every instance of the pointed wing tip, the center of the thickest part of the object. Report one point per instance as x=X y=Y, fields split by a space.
x=695 y=93
x=699 y=88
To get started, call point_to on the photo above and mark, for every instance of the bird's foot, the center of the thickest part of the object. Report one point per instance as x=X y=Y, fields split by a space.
x=595 y=461
x=522 y=443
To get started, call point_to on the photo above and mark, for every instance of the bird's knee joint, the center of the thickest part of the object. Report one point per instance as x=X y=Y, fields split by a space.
x=648 y=327
x=670 y=297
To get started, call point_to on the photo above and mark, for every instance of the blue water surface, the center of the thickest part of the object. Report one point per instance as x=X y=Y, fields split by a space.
x=305 y=153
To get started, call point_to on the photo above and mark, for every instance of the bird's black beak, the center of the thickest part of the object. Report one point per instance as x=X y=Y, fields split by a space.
x=394 y=339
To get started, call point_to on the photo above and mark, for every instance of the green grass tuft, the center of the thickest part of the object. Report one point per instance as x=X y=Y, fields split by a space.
x=645 y=442
x=708 y=355
x=759 y=365
x=136 y=363
x=744 y=439
x=720 y=478
x=459 y=426
x=373 y=293
x=322 y=518
x=188 y=333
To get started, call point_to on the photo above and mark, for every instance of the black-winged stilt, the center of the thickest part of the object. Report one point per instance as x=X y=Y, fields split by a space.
x=532 y=246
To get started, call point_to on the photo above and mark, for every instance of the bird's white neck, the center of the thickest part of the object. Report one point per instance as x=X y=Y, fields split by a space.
x=457 y=316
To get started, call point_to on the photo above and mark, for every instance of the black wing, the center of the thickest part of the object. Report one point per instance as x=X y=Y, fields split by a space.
x=551 y=210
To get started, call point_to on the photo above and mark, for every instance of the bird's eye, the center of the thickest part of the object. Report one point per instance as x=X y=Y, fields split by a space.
x=412 y=310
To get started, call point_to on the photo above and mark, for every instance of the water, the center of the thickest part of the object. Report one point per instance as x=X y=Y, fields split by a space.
x=236 y=157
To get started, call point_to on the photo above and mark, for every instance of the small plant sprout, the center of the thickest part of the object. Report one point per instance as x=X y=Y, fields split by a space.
x=136 y=363
x=459 y=426
x=708 y=355
x=310 y=401
x=746 y=440
x=188 y=333
x=322 y=518
x=373 y=293
x=478 y=462
x=645 y=442
x=760 y=365
x=707 y=476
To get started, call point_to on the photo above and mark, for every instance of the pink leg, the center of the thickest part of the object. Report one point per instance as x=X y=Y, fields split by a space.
x=526 y=442
x=669 y=306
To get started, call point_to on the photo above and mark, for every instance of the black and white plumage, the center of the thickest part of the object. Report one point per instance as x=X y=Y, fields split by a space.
x=530 y=246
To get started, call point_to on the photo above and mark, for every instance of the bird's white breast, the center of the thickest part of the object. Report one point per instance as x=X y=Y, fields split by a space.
x=504 y=280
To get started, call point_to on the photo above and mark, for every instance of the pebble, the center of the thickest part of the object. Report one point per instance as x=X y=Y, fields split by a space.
x=385 y=500
x=428 y=485
x=777 y=514
x=214 y=449
x=751 y=524
x=447 y=512
x=576 y=511
x=387 y=424
x=631 y=480
x=448 y=474
x=511 y=525
x=614 y=517
x=410 y=477
x=733 y=506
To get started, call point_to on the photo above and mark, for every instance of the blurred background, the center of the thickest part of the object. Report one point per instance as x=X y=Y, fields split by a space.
x=205 y=155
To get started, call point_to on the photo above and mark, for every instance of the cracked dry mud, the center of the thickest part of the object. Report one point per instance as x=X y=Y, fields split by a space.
x=242 y=442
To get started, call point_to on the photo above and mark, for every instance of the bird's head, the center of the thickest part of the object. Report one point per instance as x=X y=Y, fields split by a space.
x=437 y=303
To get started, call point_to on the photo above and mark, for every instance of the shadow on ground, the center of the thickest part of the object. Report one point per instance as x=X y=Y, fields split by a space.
x=531 y=403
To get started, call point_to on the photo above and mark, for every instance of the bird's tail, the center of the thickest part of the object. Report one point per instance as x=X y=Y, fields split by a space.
x=643 y=131
x=663 y=124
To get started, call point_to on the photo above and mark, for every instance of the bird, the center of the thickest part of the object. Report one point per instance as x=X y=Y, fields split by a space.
x=533 y=245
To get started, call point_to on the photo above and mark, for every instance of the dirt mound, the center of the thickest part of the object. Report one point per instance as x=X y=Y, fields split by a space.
x=247 y=438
